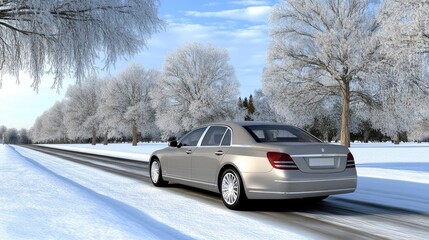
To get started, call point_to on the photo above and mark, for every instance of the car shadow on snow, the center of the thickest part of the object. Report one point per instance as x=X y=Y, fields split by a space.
x=336 y=205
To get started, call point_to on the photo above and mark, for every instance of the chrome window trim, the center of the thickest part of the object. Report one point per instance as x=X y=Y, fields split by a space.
x=230 y=140
x=202 y=136
x=220 y=144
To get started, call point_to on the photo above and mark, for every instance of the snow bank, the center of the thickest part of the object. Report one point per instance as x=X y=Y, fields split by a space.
x=38 y=203
x=141 y=152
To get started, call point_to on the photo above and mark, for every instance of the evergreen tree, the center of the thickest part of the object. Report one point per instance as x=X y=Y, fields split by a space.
x=248 y=107
x=240 y=103
x=245 y=103
x=251 y=107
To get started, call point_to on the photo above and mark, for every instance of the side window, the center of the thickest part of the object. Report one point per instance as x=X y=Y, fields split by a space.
x=259 y=133
x=227 y=138
x=213 y=136
x=191 y=139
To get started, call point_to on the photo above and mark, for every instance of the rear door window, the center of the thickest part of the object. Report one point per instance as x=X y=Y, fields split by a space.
x=227 y=138
x=213 y=136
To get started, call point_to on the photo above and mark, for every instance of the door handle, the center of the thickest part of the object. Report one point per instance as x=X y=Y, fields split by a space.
x=219 y=153
x=189 y=151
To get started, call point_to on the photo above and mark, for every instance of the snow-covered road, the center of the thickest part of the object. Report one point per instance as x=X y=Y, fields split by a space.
x=45 y=197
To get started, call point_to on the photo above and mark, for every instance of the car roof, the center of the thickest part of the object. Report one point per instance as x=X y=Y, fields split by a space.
x=246 y=123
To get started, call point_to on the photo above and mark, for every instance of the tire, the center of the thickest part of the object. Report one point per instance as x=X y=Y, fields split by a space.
x=231 y=190
x=155 y=173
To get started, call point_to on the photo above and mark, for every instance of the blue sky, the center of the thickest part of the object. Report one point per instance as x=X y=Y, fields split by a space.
x=239 y=26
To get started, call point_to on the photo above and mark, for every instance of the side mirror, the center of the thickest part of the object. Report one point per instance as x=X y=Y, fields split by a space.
x=173 y=143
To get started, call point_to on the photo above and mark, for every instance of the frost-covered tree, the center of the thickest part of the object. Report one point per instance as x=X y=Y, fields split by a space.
x=23 y=136
x=197 y=86
x=55 y=127
x=321 y=50
x=420 y=131
x=109 y=124
x=406 y=25
x=323 y=127
x=50 y=127
x=405 y=89
x=404 y=96
x=3 y=130
x=11 y=136
x=35 y=130
x=127 y=101
x=67 y=36
x=81 y=104
x=263 y=111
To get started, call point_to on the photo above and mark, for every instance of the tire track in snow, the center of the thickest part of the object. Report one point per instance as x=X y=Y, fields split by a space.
x=329 y=218
x=139 y=218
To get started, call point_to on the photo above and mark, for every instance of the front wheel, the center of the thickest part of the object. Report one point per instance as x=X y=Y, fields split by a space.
x=232 y=191
x=155 y=173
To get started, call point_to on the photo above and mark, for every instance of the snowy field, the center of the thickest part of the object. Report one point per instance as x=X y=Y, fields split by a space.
x=42 y=197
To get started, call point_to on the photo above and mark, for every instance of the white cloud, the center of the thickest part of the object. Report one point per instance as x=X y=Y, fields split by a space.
x=250 y=2
x=211 y=4
x=251 y=14
x=247 y=47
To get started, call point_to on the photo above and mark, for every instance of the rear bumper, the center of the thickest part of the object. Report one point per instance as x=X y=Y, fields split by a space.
x=288 y=185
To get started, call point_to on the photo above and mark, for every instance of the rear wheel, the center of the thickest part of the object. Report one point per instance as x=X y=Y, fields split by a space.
x=232 y=191
x=155 y=173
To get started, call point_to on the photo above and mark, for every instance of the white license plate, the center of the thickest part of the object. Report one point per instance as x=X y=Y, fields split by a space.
x=321 y=162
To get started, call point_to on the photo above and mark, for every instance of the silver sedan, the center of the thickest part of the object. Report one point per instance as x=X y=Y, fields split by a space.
x=255 y=160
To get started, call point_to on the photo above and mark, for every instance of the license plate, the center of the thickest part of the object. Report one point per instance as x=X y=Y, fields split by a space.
x=321 y=162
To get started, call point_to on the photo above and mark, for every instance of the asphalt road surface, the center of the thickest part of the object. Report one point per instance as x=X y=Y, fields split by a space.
x=333 y=218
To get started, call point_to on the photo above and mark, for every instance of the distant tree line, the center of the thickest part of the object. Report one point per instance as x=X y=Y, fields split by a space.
x=14 y=136
x=325 y=127
x=344 y=70
x=196 y=86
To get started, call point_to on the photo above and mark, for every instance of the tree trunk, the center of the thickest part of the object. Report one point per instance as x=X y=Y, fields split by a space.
x=345 y=131
x=366 y=135
x=106 y=140
x=94 y=137
x=398 y=138
x=134 y=135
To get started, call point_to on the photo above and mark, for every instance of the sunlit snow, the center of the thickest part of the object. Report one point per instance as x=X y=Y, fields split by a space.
x=44 y=197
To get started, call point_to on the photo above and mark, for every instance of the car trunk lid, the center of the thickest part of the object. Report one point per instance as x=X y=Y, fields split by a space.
x=316 y=157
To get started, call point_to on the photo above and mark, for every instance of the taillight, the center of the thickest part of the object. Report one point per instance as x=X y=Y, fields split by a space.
x=350 y=161
x=281 y=161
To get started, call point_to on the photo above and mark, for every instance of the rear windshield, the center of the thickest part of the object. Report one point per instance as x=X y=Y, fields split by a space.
x=279 y=133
